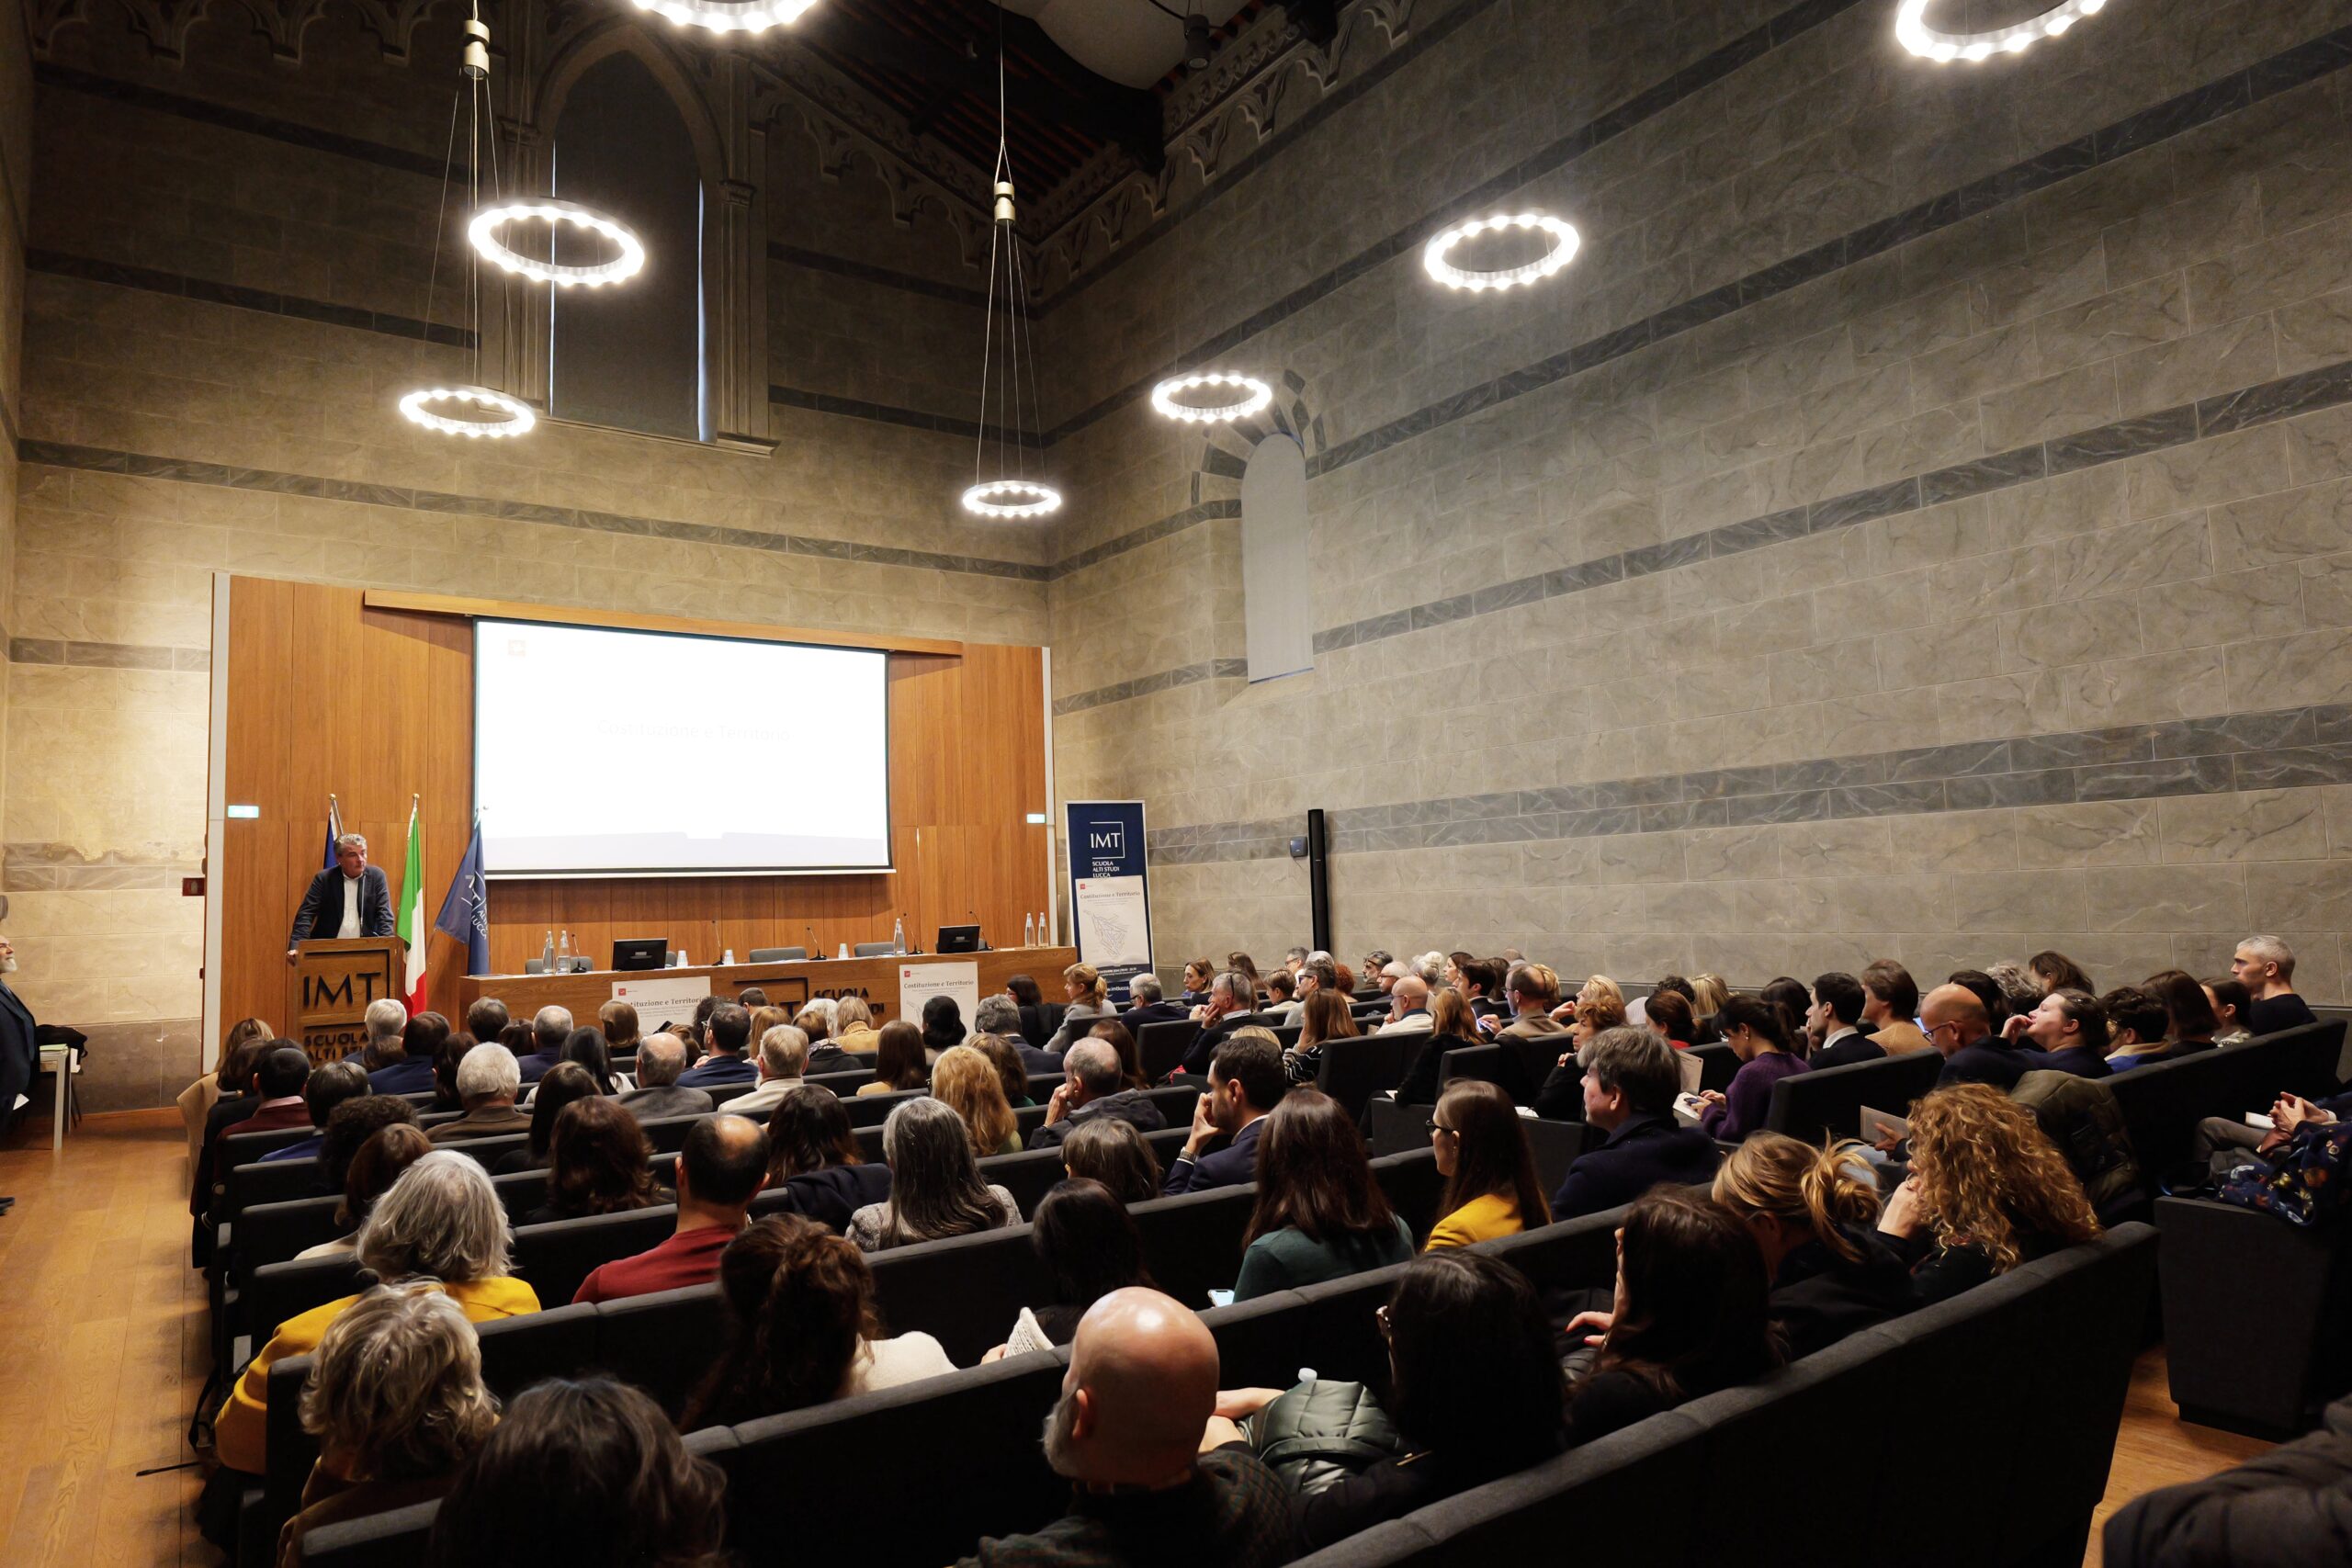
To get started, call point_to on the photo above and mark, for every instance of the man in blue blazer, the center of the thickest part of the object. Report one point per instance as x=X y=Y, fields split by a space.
x=1631 y=1077
x=1246 y=1080
x=348 y=900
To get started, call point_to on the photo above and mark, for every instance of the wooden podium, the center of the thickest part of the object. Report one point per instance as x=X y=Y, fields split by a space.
x=333 y=983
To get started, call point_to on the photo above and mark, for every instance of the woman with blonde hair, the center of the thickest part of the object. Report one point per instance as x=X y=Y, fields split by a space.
x=1089 y=1000
x=853 y=1024
x=1454 y=1026
x=1812 y=1212
x=1987 y=1192
x=395 y=1398
x=968 y=1083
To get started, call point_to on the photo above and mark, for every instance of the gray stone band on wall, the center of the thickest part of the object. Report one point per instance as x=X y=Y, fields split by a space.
x=2287 y=749
x=106 y=655
x=141 y=466
x=57 y=868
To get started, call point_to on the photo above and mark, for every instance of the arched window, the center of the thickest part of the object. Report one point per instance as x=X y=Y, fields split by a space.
x=630 y=355
x=1277 y=596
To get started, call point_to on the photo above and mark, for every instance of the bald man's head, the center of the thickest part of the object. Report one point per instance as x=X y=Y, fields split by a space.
x=1411 y=994
x=1141 y=1385
x=1959 y=1008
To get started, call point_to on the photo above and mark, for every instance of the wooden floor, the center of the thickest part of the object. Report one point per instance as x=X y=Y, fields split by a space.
x=102 y=1356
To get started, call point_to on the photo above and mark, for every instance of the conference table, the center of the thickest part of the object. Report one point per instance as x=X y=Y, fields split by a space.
x=669 y=995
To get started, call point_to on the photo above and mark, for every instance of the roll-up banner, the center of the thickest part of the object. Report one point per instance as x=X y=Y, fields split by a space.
x=1109 y=895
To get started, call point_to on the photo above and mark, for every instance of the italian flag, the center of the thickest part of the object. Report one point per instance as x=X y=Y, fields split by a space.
x=412 y=927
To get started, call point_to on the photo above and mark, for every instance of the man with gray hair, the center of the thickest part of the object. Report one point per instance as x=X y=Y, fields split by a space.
x=660 y=1059
x=550 y=1027
x=999 y=1015
x=391 y=1069
x=1431 y=967
x=1294 y=959
x=1631 y=1078
x=1409 y=1008
x=2265 y=968
x=782 y=1060
x=349 y=898
x=1150 y=1004
x=1231 y=998
x=487 y=1084
x=1094 y=1090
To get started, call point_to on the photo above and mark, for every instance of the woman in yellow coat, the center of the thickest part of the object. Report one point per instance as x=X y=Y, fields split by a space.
x=1490 y=1186
x=441 y=1222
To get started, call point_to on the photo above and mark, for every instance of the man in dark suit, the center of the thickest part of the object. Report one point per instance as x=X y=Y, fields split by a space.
x=352 y=900
x=1630 y=1080
x=1246 y=1080
x=1956 y=1024
x=1149 y=1006
x=1836 y=1022
x=1231 y=996
x=550 y=1027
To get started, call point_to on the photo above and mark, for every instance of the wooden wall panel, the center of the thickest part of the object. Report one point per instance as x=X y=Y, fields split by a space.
x=326 y=693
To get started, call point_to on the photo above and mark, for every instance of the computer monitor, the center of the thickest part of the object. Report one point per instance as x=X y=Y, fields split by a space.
x=958 y=939
x=640 y=952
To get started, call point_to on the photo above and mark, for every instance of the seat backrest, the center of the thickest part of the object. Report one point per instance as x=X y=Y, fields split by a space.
x=966 y=1292
x=280 y=1290
x=720 y=1093
x=1193 y=1243
x=244 y=1148
x=273 y=1233
x=872 y=949
x=1812 y=1106
x=1717 y=1064
x=778 y=954
x=1161 y=1047
x=1389 y=1128
x=844 y=1083
x=1352 y=1071
x=664 y=1343
x=554 y=1258
x=873 y=1109
x=276 y=1181
x=1412 y=1184
x=394 y=1540
x=1555 y=1145
x=2163 y=1103
x=1506 y=1064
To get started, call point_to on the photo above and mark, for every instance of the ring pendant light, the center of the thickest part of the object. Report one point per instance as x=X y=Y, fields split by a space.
x=627 y=263
x=476 y=412
x=1911 y=29
x=1255 y=398
x=1561 y=250
x=1012 y=493
x=727 y=16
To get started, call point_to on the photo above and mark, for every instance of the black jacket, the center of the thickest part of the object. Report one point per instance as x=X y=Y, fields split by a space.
x=1228 y=1163
x=1129 y=1105
x=1645 y=1152
x=1203 y=1050
x=1421 y=1083
x=831 y=1195
x=1154 y=1012
x=1819 y=1297
x=2288 y=1508
x=322 y=911
x=1848 y=1050
x=20 y=1056
x=1987 y=1061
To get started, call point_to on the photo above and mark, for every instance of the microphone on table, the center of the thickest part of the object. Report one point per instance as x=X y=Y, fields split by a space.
x=811 y=932
x=974 y=915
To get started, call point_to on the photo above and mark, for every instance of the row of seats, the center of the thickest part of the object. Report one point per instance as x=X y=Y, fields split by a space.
x=1763 y=1472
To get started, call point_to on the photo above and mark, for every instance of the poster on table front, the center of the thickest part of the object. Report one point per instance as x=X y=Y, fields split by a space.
x=1110 y=904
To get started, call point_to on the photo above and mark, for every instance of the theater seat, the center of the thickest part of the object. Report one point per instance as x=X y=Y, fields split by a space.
x=2254 y=1309
x=1813 y=1106
x=554 y=1258
x=778 y=954
x=664 y=1343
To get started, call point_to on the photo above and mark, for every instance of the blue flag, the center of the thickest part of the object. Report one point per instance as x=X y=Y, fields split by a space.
x=335 y=831
x=465 y=913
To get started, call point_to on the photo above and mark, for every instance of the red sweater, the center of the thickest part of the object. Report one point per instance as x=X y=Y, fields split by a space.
x=688 y=1258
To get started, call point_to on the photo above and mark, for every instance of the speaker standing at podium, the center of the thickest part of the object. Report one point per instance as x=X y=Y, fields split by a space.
x=349 y=898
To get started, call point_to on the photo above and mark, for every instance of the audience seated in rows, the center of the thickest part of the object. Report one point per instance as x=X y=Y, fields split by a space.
x=661 y=1059
x=1834 y=1021
x=1094 y=1088
x=1127 y=1433
x=387 y=1148
x=1409 y=1008
x=487 y=1018
x=721 y=1171
x=2138 y=1027
x=968 y=1083
x=1815 y=1216
x=550 y=1027
x=1281 y=1003
x=813 y=1159
x=943 y=1027
x=2067 y=1030
x=1481 y=1150
x=853 y=1030
x=1757 y=1035
x=1668 y=1014
x=1629 y=1080
x=1986 y=1192
x=588 y=1048
x=609 y=1484
x=441 y=1223
x=1231 y=1005
x=399 y=1059
x=231 y=1073
x=1114 y=1154
x=1891 y=1007
x=1246 y=1081
x=1959 y=1023
x=598 y=1163
x=935 y=1186
x=899 y=1064
x=2055 y=971
x=1089 y=1247
x=1325 y=1017
x=1012 y=1072
x=781 y=1062
x=1319 y=1215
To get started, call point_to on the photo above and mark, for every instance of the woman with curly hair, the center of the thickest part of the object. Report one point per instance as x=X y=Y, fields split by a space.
x=1987 y=1192
x=801 y=1301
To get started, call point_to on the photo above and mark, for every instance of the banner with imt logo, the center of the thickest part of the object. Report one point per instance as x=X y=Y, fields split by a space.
x=1110 y=899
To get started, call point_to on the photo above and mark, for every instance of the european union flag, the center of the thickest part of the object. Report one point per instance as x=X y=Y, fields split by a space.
x=465 y=913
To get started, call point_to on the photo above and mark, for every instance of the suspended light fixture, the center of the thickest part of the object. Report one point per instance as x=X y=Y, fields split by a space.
x=1561 y=250
x=474 y=411
x=728 y=16
x=1911 y=29
x=1254 y=399
x=627 y=261
x=1010 y=493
